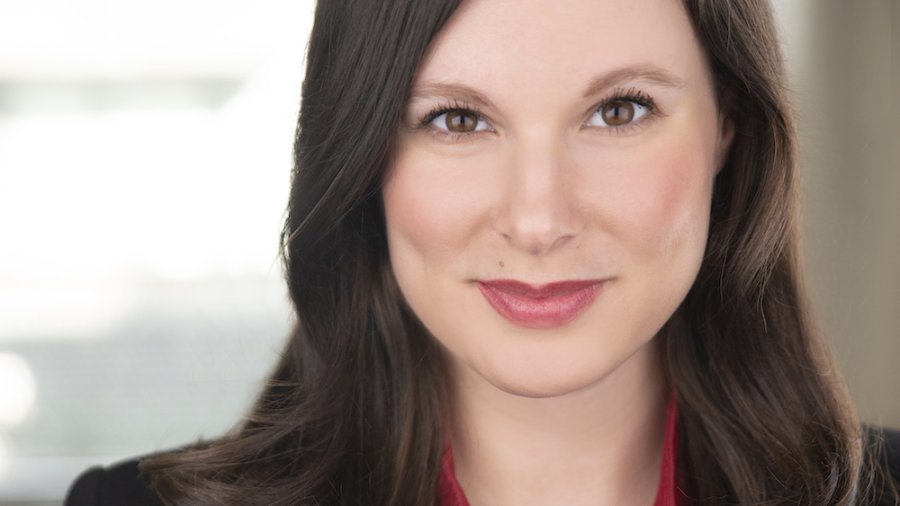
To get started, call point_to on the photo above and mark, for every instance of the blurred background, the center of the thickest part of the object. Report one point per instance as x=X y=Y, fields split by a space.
x=144 y=167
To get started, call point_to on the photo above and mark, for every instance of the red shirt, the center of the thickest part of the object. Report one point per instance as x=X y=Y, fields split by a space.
x=452 y=494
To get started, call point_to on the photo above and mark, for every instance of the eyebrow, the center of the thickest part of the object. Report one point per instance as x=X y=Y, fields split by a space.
x=451 y=90
x=646 y=73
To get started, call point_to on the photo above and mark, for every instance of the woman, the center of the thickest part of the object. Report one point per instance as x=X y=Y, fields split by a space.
x=540 y=253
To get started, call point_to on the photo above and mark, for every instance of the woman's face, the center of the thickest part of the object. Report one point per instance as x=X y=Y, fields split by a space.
x=548 y=203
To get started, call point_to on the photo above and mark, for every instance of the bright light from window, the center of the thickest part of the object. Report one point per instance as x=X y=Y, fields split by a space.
x=19 y=389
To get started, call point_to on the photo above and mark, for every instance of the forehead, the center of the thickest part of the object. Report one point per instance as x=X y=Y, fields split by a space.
x=513 y=43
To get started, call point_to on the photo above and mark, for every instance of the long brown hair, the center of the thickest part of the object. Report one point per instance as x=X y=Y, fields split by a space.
x=352 y=413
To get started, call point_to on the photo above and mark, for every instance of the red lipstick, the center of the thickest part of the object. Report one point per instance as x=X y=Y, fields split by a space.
x=544 y=306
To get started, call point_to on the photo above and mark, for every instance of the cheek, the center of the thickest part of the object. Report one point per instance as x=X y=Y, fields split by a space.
x=431 y=211
x=679 y=209
x=657 y=202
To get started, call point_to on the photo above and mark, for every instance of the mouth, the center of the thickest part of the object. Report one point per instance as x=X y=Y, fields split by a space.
x=545 y=306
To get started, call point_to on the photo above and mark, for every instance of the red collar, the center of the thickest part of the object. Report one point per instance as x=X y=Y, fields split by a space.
x=452 y=494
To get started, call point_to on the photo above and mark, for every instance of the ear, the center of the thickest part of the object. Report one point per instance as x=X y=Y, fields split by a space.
x=724 y=140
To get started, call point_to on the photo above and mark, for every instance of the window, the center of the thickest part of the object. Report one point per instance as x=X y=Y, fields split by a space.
x=146 y=154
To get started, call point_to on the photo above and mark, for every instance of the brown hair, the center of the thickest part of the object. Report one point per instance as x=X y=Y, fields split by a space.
x=352 y=413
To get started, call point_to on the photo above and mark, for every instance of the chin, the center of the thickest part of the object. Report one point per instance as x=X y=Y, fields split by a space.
x=545 y=380
x=541 y=369
x=540 y=389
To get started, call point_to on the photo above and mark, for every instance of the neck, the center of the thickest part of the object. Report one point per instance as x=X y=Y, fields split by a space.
x=598 y=445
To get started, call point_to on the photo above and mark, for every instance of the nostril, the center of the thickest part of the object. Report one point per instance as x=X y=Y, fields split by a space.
x=535 y=237
x=538 y=244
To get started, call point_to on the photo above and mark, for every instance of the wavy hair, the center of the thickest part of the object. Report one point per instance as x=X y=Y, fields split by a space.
x=353 y=412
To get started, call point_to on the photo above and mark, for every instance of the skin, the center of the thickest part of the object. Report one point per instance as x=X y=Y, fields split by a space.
x=543 y=190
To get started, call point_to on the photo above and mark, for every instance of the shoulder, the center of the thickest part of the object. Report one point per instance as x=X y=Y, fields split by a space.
x=883 y=445
x=114 y=485
x=892 y=451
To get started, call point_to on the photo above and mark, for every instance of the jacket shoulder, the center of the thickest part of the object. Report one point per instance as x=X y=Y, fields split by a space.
x=114 y=485
x=883 y=445
x=892 y=451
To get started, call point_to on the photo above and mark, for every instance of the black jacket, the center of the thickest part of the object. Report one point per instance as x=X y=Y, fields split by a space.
x=120 y=484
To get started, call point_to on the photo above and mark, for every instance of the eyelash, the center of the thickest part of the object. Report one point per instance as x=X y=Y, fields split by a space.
x=628 y=95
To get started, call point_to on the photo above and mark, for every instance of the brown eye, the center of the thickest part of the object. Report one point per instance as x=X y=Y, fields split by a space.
x=461 y=121
x=618 y=112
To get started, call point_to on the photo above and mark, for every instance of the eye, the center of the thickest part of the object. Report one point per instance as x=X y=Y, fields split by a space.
x=618 y=112
x=459 y=121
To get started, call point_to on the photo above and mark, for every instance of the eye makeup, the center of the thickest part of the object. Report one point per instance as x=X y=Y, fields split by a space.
x=449 y=106
x=632 y=95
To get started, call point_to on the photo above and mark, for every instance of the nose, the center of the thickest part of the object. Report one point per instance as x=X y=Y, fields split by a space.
x=538 y=212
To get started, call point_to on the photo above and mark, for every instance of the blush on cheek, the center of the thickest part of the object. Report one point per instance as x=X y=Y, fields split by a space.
x=426 y=210
x=666 y=201
x=683 y=203
x=408 y=218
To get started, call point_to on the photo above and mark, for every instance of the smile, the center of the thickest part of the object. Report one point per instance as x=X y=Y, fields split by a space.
x=546 y=306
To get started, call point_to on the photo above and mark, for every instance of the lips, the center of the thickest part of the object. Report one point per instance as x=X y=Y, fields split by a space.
x=545 y=306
